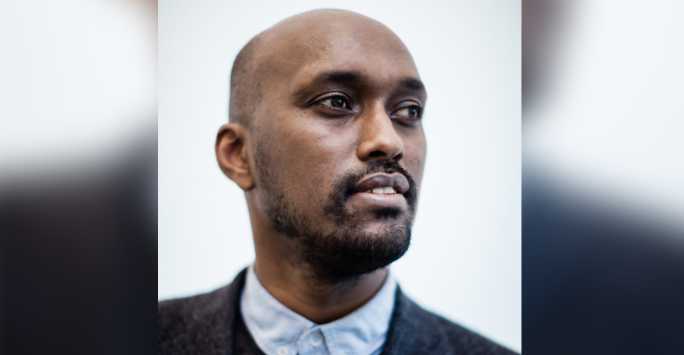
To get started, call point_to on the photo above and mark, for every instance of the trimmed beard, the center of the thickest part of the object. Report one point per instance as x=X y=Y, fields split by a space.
x=347 y=252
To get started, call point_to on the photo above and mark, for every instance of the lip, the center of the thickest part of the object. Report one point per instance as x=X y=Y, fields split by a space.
x=364 y=199
x=372 y=181
x=370 y=201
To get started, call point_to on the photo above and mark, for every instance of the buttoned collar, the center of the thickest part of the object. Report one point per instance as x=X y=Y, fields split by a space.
x=277 y=330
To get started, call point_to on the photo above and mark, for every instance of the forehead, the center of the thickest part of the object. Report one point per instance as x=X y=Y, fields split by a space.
x=357 y=45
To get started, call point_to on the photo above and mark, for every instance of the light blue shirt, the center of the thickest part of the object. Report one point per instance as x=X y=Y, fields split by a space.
x=279 y=331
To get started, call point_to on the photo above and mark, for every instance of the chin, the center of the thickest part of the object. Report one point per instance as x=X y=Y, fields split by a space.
x=385 y=223
x=383 y=229
x=358 y=248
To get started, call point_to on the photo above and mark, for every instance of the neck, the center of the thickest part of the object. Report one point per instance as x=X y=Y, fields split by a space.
x=321 y=301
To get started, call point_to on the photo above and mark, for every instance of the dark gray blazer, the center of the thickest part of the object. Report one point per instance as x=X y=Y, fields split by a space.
x=205 y=324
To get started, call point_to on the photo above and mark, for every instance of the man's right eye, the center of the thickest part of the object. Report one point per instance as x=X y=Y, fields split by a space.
x=335 y=102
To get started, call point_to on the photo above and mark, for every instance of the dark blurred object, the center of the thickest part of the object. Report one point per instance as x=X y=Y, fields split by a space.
x=542 y=22
x=79 y=260
x=603 y=273
x=595 y=280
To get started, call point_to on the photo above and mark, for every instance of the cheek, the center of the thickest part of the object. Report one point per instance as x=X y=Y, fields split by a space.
x=414 y=157
x=309 y=156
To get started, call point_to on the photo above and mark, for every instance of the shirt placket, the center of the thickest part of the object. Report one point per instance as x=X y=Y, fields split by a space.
x=312 y=342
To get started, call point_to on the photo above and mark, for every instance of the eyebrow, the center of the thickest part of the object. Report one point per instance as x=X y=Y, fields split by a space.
x=346 y=78
x=412 y=84
x=357 y=80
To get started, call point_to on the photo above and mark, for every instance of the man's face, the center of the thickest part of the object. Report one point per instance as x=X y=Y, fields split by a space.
x=339 y=146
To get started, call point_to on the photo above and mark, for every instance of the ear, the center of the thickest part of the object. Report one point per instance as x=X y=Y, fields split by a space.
x=231 y=154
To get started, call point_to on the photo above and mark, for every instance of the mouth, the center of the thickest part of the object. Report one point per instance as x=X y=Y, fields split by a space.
x=383 y=184
x=381 y=191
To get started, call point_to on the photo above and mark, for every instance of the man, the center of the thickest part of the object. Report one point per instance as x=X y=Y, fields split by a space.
x=325 y=138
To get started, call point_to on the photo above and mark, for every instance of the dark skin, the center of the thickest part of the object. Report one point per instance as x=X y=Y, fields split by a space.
x=337 y=91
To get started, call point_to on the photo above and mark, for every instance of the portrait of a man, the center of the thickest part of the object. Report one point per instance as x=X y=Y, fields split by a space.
x=342 y=177
x=325 y=139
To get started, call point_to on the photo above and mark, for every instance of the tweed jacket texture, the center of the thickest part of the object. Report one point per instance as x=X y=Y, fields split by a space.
x=206 y=324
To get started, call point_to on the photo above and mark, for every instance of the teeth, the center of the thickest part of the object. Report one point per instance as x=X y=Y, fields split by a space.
x=384 y=190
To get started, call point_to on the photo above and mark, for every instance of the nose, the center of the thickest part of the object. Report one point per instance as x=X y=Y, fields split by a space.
x=379 y=138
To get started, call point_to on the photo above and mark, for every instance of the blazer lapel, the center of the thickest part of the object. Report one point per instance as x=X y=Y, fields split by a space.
x=232 y=310
x=214 y=319
x=411 y=331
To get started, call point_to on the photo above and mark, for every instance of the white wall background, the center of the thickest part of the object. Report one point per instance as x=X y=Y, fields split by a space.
x=465 y=258
x=75 y=79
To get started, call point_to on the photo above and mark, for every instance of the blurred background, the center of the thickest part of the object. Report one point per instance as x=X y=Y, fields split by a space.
x=603 y=201
x=602 y=248
x=78 y=177
x=464 y=260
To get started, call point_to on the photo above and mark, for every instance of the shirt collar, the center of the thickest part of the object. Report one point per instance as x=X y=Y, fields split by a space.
x=278 y=330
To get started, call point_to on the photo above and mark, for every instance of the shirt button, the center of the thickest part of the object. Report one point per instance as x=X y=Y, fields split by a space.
x=283 y=351
x=315 y=339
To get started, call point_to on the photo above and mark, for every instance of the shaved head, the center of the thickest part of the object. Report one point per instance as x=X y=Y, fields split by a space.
x=294 y=40
x=244 y=85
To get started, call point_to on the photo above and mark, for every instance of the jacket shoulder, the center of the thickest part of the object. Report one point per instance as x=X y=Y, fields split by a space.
x=460 y=337
x=200 y=324
x=423 y=331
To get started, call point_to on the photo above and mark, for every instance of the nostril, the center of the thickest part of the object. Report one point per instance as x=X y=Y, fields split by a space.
x=377 y=154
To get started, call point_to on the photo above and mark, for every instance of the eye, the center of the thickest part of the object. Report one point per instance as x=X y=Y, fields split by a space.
x=335 y=102
x=411 y=112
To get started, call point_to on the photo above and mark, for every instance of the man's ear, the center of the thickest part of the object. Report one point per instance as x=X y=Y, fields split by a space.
x=231 y=154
